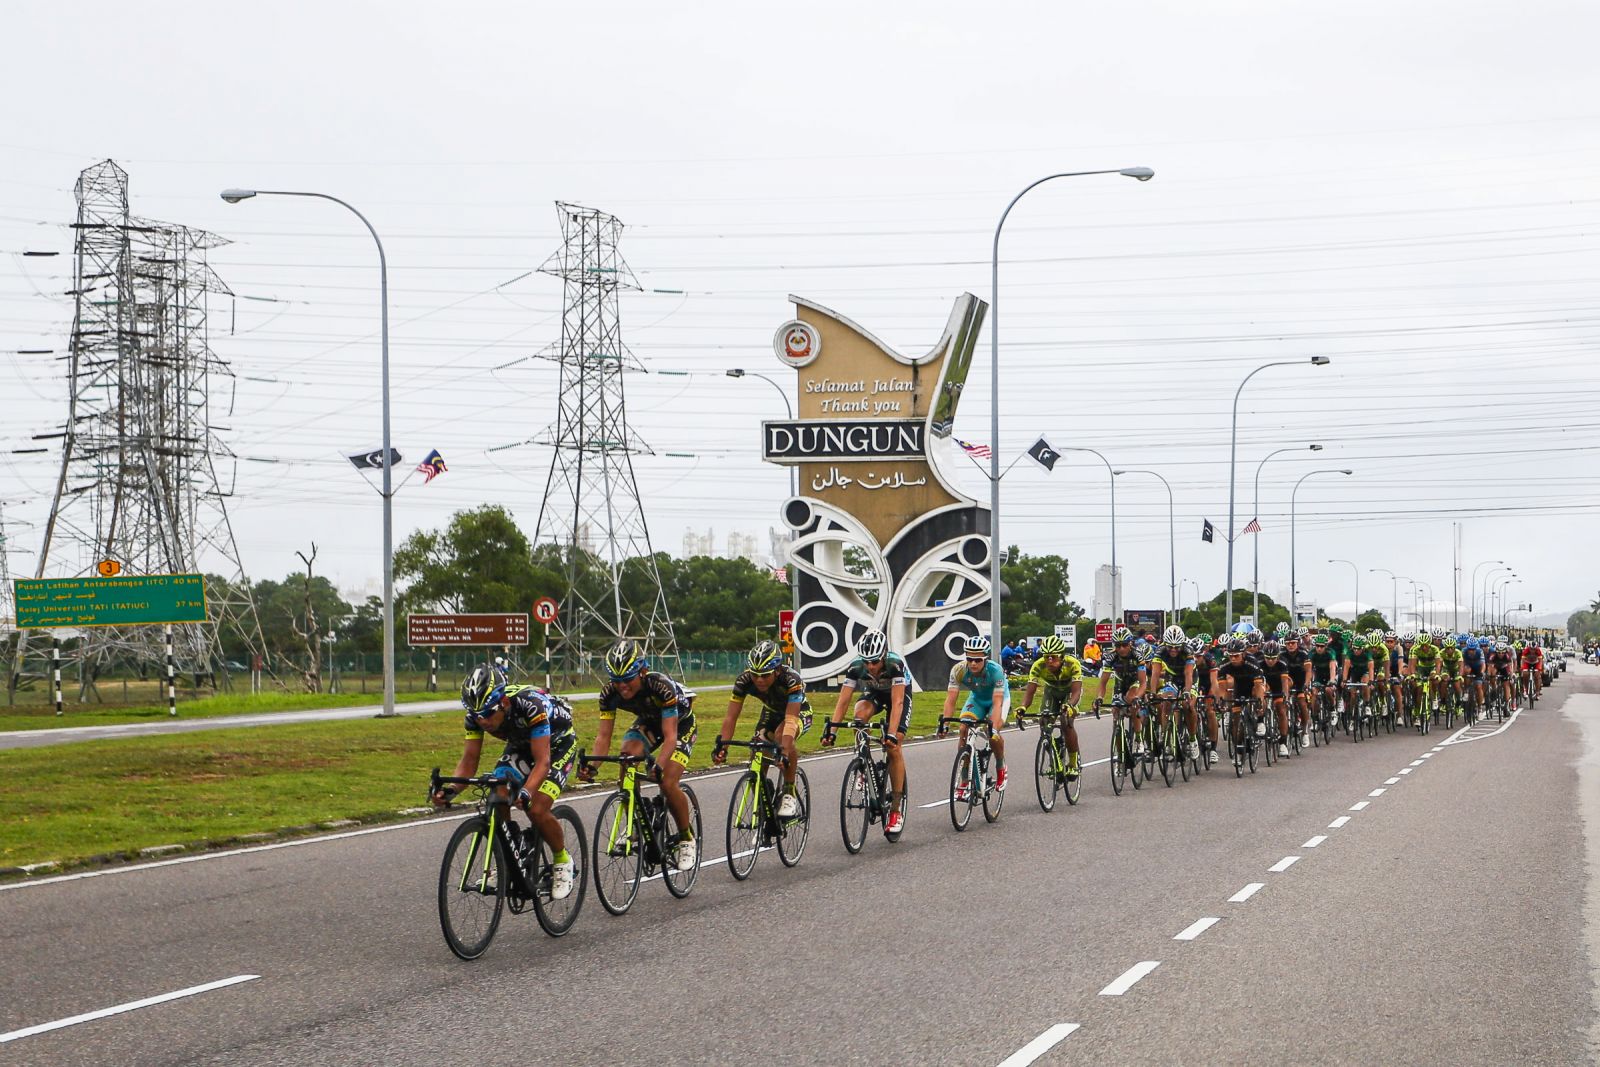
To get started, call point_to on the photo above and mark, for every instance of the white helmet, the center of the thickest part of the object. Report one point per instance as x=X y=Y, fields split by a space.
x=874 y=644
x=976 y=645
x=1173 y=636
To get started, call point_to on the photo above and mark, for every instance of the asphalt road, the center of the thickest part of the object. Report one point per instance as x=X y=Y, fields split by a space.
x=1441 y=921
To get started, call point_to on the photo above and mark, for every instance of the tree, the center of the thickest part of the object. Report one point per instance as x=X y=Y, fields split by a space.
x=1594 y=605
x=1037 y=595
x=1372 y=620
x=311 y=633
x=1584 y=626
x=480 y=562
x=721 y=603
x=1210 y=616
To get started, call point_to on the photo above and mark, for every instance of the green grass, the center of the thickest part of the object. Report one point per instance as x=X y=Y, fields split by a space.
x=72 y=803
x=43 y=716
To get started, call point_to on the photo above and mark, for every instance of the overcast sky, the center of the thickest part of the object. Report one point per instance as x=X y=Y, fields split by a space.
x=1409 y=188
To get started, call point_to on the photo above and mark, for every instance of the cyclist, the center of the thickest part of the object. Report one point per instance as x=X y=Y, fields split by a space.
x=1298 y=661
x=1174 y=665
x=663 y=718
x=1532 y=659
x=1205 y=665
x=1061 y=676
x=1397 y=665
x=784 y=713
x=541 y=746
x=1124 y=665
x=1239 y=679
x=1503 y=668
x=1450 y=659
x=988 y=697
x=1472 y=663
x=1326 y=668
x=884 y=682
x=1423 y=664
x=1280 y=683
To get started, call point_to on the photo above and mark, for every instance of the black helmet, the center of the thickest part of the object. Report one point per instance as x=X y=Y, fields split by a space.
x=480 y=685
x=1236 y=647
x=625 y=660
x=1271 y=650
x=765 y=658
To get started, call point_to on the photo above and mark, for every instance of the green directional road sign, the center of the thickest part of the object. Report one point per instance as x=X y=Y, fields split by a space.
x=61 y=603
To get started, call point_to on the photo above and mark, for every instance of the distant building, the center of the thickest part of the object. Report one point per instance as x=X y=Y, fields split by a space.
x=1107 y=593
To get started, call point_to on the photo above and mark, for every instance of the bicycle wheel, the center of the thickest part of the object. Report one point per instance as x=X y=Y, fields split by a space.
x=1073 y=787
x=1119 y=759
x=1164 y=753
x=472 y=888
x=794 y=830
x=961 y=807
x=1183 y=753
x=1044 y=770
x=680 y=882
x=854 y=806
x=618 y=855
x=557 y=916
x=747 y=811
x=993 y=798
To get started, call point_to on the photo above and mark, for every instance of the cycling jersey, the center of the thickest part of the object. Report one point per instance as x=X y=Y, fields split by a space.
x=532 y=712
x=1450 y=659
x=980 y=686
x=1296 y=660
x=1128 y=670
x=1532 y=658
x=1424 y=658
x=1275 y=671
x=1059 y=679
x=859 y=676
x=1323 y=663
x=786 y=693
x=1243 y=674
x=1204 y=664
x=1174 y=664
x=1504 y=662
x=1397 y=660
x=658 y=698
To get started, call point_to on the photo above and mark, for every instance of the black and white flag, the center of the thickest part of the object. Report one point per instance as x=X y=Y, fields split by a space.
x=374 y=460
x=1044 y=455
x=1208 y=532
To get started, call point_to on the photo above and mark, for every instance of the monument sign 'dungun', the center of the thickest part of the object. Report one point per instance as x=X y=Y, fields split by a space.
x=871 y=429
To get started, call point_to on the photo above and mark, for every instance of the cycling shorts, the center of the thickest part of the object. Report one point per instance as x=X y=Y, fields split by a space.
x=516 y=763
x=771 y=722
x=972 y=711
x=882 y=701
x=647 y=736
x=1055 y=702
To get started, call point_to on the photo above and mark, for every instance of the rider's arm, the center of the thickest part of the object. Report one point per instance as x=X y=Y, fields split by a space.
x=844 y=698
x=730 y=720
x=539 y=749
x=1027 y=694
x=467 y=766
x=898 y=695
x=602 y=737
x=950 y=701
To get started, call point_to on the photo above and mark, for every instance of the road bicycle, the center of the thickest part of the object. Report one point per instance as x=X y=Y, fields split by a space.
x=1052 y=777
x=1124 y=762
x=973 y=774
x=1239 y=723
x=1449 y=701
x=1528 y=692
x=1324 y=700
x=864 y=794
x=1174 y=744
x=492 y=865
x=753 y=820
x=1357 y=716
x=633 y=837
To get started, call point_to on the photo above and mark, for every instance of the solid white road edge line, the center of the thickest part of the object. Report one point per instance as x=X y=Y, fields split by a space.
x=1340 y=821
x=1039 y=1045
x=89 y=1016
x=1315 y=841
x=1246 y=893
x=1284 y=864
x=1129 y=978
x=1195 y=929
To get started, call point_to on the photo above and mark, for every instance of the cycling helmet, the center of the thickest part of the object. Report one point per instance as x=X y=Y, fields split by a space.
x=765 y=658
x=1502 y=645
x=1052 y=646
x=976 y=645
x=1236 y=647
x=1196 y=646
x=484 y=684
x=1146 y=653
x=1204 y=639
x=1424 y=639
x=1322 y=640
x=1304 y=632
x=625 y=660
x=1472 y=643
x=1281 y=629
x=1390 y=635
x=1173 y=636
x=1461 y=639
x=1253 y=638
x=874 y=644
x=1121 y=635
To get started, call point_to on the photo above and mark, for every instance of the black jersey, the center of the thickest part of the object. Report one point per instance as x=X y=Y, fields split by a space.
x=859 y=677
x=1243 y=674
x=530 y=712
x=787 y=688
x=1174 y=664
x=659 y=697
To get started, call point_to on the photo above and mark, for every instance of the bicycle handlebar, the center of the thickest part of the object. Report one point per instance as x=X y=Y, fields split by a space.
x=649 y=761
x=770 y=748
x=987 y=726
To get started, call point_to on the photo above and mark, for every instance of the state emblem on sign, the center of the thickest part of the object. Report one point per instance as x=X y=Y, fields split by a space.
x=797 y=343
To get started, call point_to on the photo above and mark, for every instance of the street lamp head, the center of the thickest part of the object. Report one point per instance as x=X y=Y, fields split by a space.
x=1347 y=472
x=735 y=372
x=233 y=196
x=1315 y=448
x=1144 y=174
x=1321 y=361
x=1119 y=472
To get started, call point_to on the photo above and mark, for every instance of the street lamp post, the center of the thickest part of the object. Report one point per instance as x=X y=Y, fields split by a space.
x=233 y=196
x=1425 y=609
x=794 y=484
x=1357 y=572
x=1116 y=585
x=1233 y=456
x=1501 y=584
x=1394 y=592
x=1294 y=589
x=1255 y=545
x=1500 y=565
x=1191 y=581
x=1143 y=174
x=1172 y=538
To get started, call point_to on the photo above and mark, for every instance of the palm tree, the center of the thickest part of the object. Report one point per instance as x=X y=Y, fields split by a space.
x=1594 y=605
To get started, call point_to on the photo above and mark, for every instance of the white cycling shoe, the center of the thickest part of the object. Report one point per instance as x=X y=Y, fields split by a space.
x=688 y=853
x=561 y=879
x=789 y=806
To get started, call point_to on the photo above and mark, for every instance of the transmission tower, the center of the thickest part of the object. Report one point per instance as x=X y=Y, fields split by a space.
x=591 y=505
x=141 y=454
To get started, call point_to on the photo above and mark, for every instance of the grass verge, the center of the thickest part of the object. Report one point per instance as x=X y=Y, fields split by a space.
x=44 y=717
x=97 y=801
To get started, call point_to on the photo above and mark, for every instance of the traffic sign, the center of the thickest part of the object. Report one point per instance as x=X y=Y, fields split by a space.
x=474 y=629
x=46 y=603
x=108 y=568
x=545 y=610
x=1068 y=634
x=1102 y=632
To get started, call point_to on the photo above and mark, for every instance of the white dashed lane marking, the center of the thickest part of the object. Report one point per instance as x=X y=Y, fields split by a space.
x=1039 y=1045
x=1195 y=929
x=1315 y=841
x=1340 y=821
x=1360 y=805
x=1246 y=893
x=1284 y=864
x=1129 y=978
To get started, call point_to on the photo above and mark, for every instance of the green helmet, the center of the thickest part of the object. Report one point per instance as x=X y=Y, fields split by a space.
x=1052 y=646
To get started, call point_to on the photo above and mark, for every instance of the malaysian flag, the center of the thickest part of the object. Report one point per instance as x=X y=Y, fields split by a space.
x=1253 y=527
x=780 y=574
x=978 y=451
x=431 y=467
